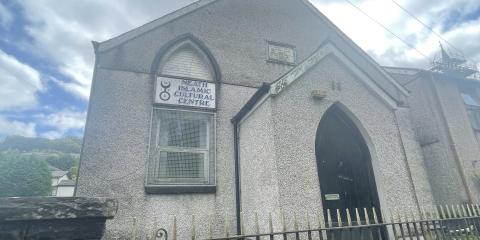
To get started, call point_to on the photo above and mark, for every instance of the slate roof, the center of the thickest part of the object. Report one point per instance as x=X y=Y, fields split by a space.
x=67 y=183
x=59 y=174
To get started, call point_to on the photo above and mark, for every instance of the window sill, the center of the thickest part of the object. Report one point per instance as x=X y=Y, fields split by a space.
x=165 y=189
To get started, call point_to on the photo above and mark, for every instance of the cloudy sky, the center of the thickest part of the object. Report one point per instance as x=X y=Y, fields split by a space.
x=46 y=58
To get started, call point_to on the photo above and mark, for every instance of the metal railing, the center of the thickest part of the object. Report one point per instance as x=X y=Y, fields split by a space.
x=452 y=222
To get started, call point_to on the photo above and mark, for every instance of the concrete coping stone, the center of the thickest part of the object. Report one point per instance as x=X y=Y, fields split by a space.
x=53 y=208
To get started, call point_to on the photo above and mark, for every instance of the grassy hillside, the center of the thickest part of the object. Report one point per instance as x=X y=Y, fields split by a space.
x=24 y=144
x=63 y=153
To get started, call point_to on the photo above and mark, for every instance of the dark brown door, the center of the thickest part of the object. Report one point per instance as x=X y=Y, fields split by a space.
x=344 y=166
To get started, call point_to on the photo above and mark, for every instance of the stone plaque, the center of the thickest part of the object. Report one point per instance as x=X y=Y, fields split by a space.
x=281 y=53
x=183 y=92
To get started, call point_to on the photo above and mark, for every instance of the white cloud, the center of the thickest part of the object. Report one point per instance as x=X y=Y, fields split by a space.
x=19 y=84
x=63 y=121
x=6 y=16
x=8 y=127
x=62 y=31
x=387 y=49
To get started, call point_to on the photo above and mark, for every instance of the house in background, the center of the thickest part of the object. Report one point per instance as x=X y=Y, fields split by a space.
x=62 y=186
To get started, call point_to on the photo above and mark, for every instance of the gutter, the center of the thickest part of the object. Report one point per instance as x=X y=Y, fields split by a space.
x=259 y=94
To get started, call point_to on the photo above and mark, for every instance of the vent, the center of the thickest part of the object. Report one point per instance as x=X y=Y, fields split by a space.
x=187 y=62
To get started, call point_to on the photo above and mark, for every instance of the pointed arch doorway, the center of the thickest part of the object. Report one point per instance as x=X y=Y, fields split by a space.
x=344 y=166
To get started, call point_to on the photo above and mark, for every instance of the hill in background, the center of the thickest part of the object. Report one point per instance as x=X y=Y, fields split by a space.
x=62 y=153
x=71 y=145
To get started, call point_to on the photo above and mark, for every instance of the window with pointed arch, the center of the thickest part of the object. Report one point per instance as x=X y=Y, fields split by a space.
x=182 y=140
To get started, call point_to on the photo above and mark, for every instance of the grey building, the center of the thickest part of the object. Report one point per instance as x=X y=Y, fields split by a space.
x=227 y=108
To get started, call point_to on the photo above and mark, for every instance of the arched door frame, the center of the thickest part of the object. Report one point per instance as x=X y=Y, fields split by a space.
x=338 y=106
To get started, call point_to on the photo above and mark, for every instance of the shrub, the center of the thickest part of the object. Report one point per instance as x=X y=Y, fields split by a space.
x=22 y=175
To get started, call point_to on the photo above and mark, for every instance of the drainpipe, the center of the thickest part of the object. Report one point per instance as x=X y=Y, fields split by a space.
x=262 y=91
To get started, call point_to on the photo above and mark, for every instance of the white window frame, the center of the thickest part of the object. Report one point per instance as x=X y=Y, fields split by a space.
x=209 y=151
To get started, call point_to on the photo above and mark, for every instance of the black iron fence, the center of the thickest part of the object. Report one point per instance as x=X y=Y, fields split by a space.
x=453 y=222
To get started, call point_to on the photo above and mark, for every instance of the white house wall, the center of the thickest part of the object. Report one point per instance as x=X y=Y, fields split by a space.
x=460 y=130
x=236 y=33
x=258 y=168
x=431 y=131
x=115 y=153
x=296 y=117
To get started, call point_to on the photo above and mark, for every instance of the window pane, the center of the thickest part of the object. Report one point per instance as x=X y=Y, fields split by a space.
x=182 y=148
x=469 y=100
x=180 y=129
x=180 y=165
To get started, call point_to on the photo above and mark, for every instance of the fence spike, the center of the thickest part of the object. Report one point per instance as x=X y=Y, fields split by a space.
x=449 y=214
x=469 y=211
x=134 y=226
x=349 y=218
x=367 y=218
x=309 y=226
x=454 y=212
x=329 y=218
x=210 y=230
x=412 y=214
x=392 y=220
x=174 y=228
x=399 y=216
x=357 y=215
x=435 y=212
x=242 y=223
x=375 y=217
x=442 y=212
x=464 y=211
x=155 y=227
x=339 y=218
x=295 y=222
x=423 y=213
x=457 y=210
x=477 y=209
x=320 y=225
x=431 y=211
x=193 y=227
x=227 y=232
x=270 y=222
x=257 y=226
x=474 y=212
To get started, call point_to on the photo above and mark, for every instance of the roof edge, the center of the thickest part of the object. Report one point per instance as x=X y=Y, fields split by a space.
x=354 y=46
x=147 y=27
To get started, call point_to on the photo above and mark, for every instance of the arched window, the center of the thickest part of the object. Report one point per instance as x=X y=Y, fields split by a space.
x=182 y=138
x=187 y=60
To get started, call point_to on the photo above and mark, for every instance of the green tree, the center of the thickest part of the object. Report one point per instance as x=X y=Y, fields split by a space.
x=63 y=161
x=22 y=175
x=64 y=145
x=73 y=172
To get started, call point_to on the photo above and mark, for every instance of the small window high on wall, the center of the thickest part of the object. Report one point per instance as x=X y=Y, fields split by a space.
x=182 y=137
x=472 y=105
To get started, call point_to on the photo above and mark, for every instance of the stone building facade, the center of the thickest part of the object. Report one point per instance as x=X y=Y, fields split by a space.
x=226 y=107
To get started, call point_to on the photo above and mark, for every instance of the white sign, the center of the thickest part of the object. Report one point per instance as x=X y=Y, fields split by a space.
x=332 y=197
x=298 y=71
x=184 y=92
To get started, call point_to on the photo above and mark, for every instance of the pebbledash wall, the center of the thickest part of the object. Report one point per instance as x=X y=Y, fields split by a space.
x=276 y=136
